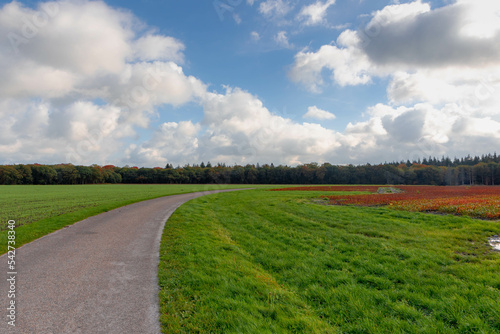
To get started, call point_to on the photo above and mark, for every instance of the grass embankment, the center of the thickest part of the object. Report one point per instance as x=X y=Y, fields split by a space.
x=277 y=262
x=40 y=210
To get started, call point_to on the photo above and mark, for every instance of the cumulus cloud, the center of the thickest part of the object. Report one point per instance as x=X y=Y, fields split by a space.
x=409 y=38
x=171 y=142
x=237 y=128
x=142 y=86
x=36 y=36
x=82 y=132
x=438 y=103
x=314 y=14
x=316 y=113
x=248 y=126
x=466 y=33
x=156 y=47
x=49 y=50
x=443 y=71
x=78 y=79
x=78 y=92
x=401 y=133
x=59 y=106
x=349 y=66
x=406 y=127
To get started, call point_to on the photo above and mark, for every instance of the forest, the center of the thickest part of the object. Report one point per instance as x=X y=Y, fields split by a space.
x=484 y=170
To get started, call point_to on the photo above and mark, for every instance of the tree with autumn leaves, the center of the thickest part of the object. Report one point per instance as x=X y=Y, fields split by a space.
x=483 y=170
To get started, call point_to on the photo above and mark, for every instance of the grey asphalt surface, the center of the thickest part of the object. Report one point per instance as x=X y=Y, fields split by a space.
x=96 y=276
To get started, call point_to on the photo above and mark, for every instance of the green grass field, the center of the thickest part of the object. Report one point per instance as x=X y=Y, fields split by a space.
x=280 y=262
x=283 y=262
x=40 y=210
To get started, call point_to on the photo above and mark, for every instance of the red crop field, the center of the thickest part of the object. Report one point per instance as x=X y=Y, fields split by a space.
x=474 y=201
x=330 y=188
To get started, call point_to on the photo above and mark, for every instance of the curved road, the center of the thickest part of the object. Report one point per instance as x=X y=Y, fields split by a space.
x=95 y=276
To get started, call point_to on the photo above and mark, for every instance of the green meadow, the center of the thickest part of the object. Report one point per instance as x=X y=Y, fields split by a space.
x=283 y=262
x=40 y=210
x=258 y=261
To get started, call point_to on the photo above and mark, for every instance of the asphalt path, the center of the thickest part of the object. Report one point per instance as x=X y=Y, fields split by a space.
x=96 y=276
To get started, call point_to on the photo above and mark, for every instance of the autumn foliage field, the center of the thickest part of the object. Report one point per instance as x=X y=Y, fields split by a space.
x=474 y=201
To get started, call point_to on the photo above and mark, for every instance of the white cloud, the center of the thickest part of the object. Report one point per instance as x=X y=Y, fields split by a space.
x=406 y=127
x=82 y=52
x=85 y=50
x=349 y=66
x=282 y=40
x=418 y=131
x=82 y=132
x=172 y=142
x=252 y=133
x=254 y=36
x=49 y=57
x=315 y=13
x=82 y=83
x=157 y=47
x=103 y=36
x=443 y=65
x=24 y=78
x=237 y=18
x=239 y=129
x=275 y=9
x=316 y=113
x=450 y=109
x=145 y=85
x=478 y=127
x=422 y=86
x=87 y=109
x=341 y=26
x=409 y=38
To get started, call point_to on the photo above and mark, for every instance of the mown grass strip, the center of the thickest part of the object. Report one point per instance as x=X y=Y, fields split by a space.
x=210 y=284
x=277 y=262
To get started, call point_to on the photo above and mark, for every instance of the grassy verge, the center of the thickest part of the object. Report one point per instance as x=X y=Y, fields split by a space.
x=40 y=210
x=277 y=262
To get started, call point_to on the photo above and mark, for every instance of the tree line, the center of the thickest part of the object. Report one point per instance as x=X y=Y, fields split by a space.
x=484 y=170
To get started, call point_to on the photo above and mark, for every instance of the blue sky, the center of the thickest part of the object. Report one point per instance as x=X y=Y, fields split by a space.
x=152 y=82
x=220 y=51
